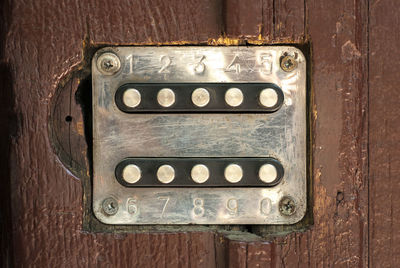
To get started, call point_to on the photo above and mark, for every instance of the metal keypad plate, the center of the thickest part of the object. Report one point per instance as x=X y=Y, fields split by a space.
x=151 y=127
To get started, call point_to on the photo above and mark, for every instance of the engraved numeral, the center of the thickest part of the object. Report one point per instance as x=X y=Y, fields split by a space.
x=165 y=63
x=265 y=206
x=232 y=206
x=199 y=67
x=166 y=199
x=234 y=66
x=130 y=62
x=266 y=62
x=132 y=206
x=198 y=207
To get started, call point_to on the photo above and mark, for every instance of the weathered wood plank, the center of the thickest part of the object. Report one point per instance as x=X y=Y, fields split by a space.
x=237 y=254
x=44 y=44
x=384 y=129
x=338 y=33
x=259 y=254
x=177 y=254
x=201 y=250
x=243 y=18
x=289 y=21
x=6 y=130
x=339 y=45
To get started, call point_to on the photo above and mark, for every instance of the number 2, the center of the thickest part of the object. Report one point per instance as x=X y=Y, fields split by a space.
x=166 y=62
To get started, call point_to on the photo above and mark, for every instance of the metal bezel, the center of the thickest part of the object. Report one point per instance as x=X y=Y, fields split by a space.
x=281 y=135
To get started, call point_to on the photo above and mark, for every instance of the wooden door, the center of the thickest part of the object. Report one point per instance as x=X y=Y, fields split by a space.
x=354 y=55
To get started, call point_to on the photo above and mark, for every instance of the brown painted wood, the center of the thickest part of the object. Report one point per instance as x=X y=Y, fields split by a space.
x=384 y=138
x=289 y=21
x=7 y=129
x=43 y=46
x=339 y=236
x=354 y=206
x=243 y=18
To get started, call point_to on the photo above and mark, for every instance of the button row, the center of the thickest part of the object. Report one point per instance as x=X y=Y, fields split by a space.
x=199 y=174
x=206 y=97
x=200 y=97
x=140 y=172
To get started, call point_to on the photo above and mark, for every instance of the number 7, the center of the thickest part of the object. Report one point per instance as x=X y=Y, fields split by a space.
x=166 y=199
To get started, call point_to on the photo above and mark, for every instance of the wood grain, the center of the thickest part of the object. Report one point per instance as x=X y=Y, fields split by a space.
x=339 y=47
x=7 y=127
x=243 y=18
x=384 y=139
x=43 y=46
x=289 y=21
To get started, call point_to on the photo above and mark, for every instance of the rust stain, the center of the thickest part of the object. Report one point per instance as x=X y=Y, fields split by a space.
x=222 y=40
x=350 y=52
x=79 y=128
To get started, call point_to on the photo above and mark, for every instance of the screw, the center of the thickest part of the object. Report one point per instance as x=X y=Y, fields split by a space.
x=288 y=63
x=287 y=206
x=110 y=206
x=108 y=63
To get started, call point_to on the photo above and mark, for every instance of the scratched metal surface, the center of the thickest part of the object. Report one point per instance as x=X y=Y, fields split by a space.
x=118 y=135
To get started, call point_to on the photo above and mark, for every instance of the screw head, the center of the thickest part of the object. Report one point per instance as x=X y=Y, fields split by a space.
x=110 y=206
x=288 y=63
x=287 y=206
x=108 y=63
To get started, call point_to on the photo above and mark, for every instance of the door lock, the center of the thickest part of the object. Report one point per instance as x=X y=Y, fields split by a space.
x=199 y=135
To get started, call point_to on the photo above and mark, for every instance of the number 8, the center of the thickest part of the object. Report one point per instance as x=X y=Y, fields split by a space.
x=198 y=209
